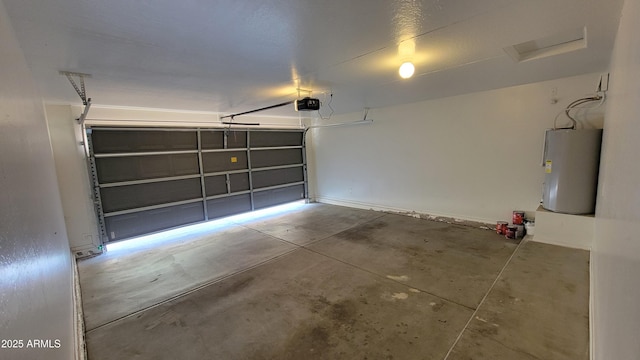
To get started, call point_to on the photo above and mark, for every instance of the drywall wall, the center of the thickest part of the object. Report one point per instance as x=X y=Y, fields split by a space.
x=474 y=157
x=73 y=180
x=36 y=273
x=616 y=250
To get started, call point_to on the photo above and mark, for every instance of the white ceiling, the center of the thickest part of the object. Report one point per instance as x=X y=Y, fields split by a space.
x=229 y=56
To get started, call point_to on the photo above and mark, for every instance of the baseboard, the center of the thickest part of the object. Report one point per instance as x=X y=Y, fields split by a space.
x=428 y=215
x=80 y=348
x=356 y=204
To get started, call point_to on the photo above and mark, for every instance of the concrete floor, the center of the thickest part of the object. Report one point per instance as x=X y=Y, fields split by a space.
x=329 y=282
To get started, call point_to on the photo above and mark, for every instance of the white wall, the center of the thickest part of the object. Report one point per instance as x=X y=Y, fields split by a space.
x=474 y=157
x=616 y=251
x=73 y=180
x=36 y=274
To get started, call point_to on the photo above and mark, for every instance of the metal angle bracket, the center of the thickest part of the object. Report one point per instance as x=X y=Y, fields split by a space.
x=81 y=90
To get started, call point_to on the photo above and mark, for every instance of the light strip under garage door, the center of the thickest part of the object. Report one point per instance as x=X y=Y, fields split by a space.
x=150 y=180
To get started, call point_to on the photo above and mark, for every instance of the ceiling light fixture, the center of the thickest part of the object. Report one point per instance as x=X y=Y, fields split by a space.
x=406 y=70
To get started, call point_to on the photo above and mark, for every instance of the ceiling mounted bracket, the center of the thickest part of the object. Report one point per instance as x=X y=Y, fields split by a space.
x=81 y=90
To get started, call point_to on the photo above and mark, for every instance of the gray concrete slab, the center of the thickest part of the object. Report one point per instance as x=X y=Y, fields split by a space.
x=311 y=222
x=300 y=306
x=119 y=283
x=539 y=308
x=365 y=285
x=475 y=346
x=455 y=262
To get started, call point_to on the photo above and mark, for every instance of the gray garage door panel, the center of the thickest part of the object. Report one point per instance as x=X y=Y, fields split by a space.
x=121 y=141
x=147 y=180
x=266 y=198
x=232 y=205
x=239 y=182
x=125 y=226
x=274 y=177
x=128 y=168
x=141 y=195
x=276 y=138
x=224 y=161
x=214 y=139
x=267 y=158
x=215 y=185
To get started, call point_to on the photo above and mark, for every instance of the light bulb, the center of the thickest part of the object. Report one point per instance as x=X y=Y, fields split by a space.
x=406 y=70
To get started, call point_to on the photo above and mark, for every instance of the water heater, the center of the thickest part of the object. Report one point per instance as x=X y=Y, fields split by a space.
x=571 y=161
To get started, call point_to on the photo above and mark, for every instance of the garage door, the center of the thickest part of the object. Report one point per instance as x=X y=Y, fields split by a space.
x=148 y=180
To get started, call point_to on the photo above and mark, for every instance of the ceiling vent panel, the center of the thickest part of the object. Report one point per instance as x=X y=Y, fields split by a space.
x=556 y=44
